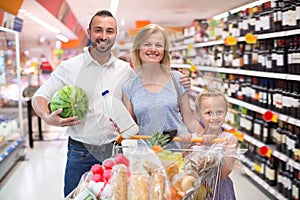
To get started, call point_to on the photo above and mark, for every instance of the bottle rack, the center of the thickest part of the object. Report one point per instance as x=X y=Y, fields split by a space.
x=236 y=71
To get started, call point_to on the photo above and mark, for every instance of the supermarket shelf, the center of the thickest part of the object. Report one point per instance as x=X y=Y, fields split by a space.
x=182 y=47
x=240 y=39
x=255 y=108
x=11 y=152
x=274 y=35
x=185 y=66
x=258 y=143
x=260 y=110
x=263 y=184
x=9 y=148
x=241 y=72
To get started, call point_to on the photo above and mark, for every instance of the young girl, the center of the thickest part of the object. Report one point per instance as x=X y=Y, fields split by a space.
x=211 y=108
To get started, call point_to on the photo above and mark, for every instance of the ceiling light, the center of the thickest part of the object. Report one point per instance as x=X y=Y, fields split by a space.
x=221 y=16
x=62 y=38
x=114 y=6
x=122 y=21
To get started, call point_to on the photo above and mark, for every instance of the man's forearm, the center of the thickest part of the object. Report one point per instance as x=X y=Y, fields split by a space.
x=40 y=106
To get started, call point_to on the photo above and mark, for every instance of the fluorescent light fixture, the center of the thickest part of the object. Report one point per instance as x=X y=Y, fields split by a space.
x=22 y=11
x=250 y=5
x=39 y=21
x=114 y=6
x=58 y=44
x=221 y=16
x=122 y=21
x=62 y=38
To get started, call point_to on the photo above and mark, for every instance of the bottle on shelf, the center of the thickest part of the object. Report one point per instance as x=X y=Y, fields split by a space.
x=296 y=185
x=280 y=67
x=271 y=94
x=271 y=171
x=263 y=95
x=292 y=18
x=294 y=99
x=258 y=127
x=296 y=150
x=290 y=177
x=266 y=133
x=274 y=56
x=279 y=135
x=292 y=55
x=297 y=56
x=298 y=13
x=286 y=98
x=291 y=140
x=259 y=164
x=280 y=176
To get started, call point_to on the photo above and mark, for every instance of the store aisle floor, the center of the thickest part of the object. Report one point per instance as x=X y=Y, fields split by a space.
x=40 y=176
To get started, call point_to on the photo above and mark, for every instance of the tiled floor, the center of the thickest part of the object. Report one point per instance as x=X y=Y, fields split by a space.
x=40 y=176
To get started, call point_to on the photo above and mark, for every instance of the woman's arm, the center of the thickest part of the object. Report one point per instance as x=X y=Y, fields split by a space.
x=128 y=105
x=188 y=115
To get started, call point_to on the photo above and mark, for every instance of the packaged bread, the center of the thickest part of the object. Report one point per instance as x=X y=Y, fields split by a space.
x=138 y=188
x=158 y=186
x=119 y=182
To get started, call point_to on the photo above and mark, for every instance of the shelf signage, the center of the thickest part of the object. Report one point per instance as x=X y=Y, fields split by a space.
x=250 y=38
x=230 y=41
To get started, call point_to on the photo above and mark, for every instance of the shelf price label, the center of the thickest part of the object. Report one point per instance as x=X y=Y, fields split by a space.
x=250 y=38
x=265 y=151
x=230 y=41
x=269 y=116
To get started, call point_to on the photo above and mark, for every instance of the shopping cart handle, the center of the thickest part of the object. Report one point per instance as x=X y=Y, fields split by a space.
x=175 y=139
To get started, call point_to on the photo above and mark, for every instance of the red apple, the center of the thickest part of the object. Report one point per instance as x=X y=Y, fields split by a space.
x=108 y=164
x=121 y=159
x=97 y=169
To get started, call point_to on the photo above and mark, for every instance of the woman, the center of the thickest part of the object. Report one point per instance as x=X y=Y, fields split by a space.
x=151 y=96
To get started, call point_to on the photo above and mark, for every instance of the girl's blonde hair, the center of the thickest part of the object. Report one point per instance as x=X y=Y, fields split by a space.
x=140 y=38
x=209 y=93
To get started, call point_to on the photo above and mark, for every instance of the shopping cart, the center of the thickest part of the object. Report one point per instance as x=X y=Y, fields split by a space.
x=205 y=161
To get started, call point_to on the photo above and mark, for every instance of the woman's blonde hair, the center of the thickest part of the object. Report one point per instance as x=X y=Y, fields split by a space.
x=141 y=36
x=209 y=93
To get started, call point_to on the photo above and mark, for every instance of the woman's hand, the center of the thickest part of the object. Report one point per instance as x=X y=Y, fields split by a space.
x=185 y=81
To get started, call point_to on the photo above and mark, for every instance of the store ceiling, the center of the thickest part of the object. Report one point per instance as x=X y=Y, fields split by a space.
x=169 y=13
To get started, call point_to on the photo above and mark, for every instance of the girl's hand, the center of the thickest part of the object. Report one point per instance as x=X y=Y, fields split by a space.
x=208 y=139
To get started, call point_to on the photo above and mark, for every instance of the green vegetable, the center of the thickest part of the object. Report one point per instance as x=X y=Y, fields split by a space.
x=72 y=99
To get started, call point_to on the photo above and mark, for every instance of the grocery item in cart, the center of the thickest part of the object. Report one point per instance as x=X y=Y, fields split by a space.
x=120 y=115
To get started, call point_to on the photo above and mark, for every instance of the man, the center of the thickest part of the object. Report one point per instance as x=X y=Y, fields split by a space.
x=95 y=70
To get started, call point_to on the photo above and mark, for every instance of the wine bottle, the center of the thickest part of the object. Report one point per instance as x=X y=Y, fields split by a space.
x=280 y=177
x=279 y=135
x=296 y=185
x=296 y=150
x=257 y=128
x=271 y=171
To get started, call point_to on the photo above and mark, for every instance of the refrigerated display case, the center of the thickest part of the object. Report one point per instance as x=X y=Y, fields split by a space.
x=12 y=146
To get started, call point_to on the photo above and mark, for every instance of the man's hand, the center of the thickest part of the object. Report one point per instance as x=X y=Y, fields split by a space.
x=55 y=119
x=185 y=81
